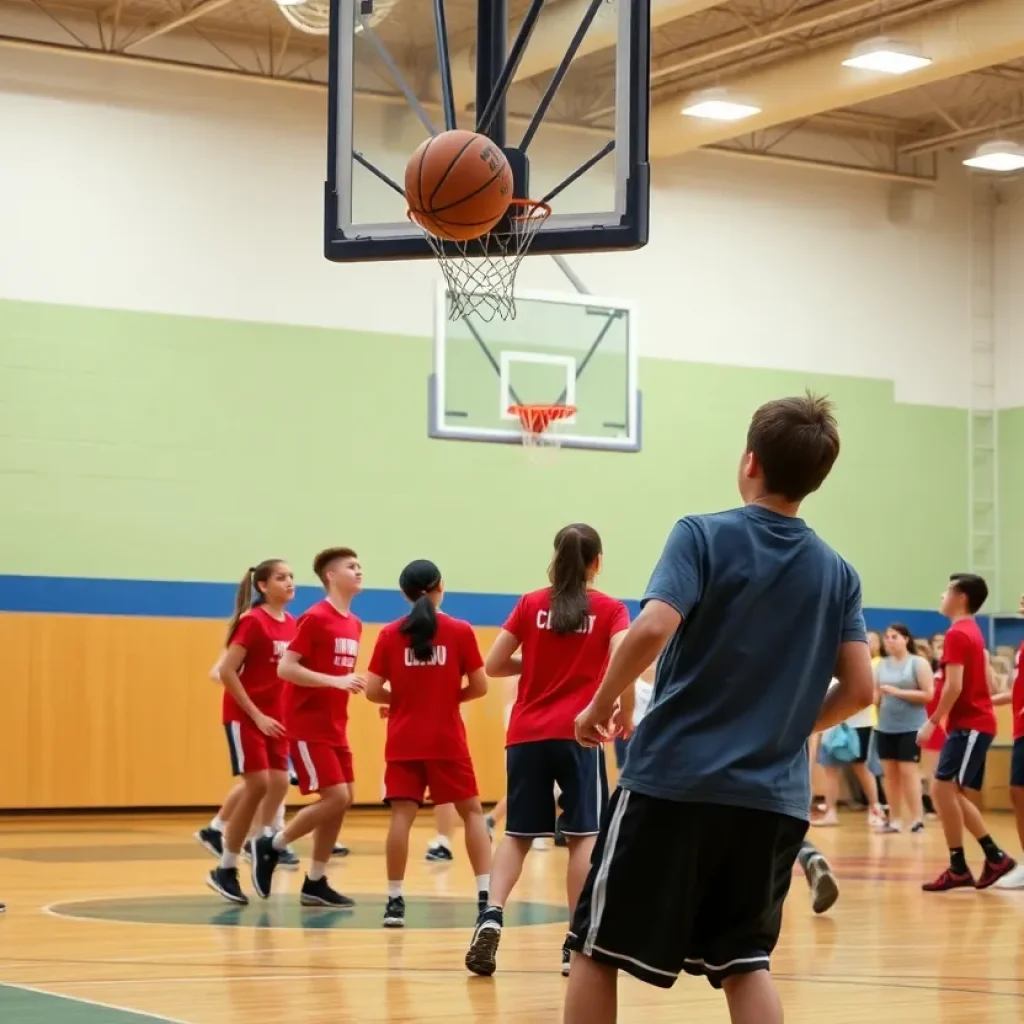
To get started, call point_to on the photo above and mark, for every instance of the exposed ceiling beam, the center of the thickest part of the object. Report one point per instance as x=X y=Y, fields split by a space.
x=951 y=140
x=959 y=41
x=555 y=28
x=200 y=10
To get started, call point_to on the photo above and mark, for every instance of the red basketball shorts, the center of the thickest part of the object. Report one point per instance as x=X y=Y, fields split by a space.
x=449 y=782
x=251 y=751
x=321 y=765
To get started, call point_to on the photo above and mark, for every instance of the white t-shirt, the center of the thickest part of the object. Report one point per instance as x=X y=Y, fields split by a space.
x=643 y=693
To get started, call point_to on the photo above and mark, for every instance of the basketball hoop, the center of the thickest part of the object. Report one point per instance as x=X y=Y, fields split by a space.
x=535 y=420
x=481 y=273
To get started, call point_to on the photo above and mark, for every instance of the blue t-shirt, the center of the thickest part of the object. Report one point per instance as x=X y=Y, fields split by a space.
x=765 y=605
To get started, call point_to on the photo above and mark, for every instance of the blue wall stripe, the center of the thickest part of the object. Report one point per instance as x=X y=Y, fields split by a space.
x=70 y=595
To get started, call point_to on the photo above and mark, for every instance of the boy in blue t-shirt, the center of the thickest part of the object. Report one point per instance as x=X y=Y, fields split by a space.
x=752 y=615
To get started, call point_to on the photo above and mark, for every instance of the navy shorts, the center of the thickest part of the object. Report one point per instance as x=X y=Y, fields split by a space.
x=962 y=759
x=1017 y=763
x=535 y=768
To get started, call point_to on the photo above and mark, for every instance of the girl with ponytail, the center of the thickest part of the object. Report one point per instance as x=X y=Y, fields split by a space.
x=417 y=670
x=564 y=635
x=259 y=631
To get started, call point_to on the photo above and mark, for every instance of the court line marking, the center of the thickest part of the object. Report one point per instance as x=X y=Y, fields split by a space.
x=445 y=972
x=93 y=1002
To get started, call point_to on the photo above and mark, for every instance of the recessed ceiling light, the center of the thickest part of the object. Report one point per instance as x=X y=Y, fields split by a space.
x=1002 y=157
x=887 y=56
x=715 y=105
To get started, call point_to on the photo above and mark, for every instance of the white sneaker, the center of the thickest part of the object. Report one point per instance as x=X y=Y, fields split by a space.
x=827 y=819
x=876 y=817
x=1014 y=880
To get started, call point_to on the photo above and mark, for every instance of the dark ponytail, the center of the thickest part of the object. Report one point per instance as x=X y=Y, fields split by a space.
x=577 y=547
x=418 y=581
x=249 y=594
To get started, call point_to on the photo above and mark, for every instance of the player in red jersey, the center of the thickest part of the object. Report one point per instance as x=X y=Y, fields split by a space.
x=253 y=708
x=1015 y=879
x=966 y=707
x=320 y=665
x=565 y=634
x=417 y=669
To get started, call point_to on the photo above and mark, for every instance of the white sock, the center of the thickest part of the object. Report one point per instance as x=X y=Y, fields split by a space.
x=440 y=840
x=268 y=832
x=228 y=859
x=279 y=818
x=483 y=883
x=317 y=870
x=218 y=824
x=278 y=842
x=395 y=889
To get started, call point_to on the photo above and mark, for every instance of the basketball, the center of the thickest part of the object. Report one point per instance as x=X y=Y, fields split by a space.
x=458 y=185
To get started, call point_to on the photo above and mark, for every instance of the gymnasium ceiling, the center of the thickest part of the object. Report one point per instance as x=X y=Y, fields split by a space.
x=784 y=55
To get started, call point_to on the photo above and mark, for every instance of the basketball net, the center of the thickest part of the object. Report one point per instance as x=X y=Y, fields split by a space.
x=481 y=273
x=539 y=442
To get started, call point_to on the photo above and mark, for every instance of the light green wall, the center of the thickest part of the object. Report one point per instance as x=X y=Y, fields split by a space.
x=1011 y=507
x=158 y=447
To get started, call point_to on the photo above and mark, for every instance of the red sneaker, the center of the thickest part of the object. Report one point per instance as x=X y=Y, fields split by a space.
x=993 y=872
x=948 y=880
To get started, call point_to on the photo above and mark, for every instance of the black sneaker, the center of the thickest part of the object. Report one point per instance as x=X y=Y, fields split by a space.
x=210 y=840
x=264 y=861
x=288 y=859
x=481 y=903
x=480 y=957
x=3 y=907
x=566 y=960
x=340 y=850
x=320 y=894
x=225 y=882
x=436 y=852
x=394 y=913
x=824 y=888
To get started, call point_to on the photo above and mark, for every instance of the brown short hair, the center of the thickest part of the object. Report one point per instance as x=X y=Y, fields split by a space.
x=323 y=561
x=796 y=442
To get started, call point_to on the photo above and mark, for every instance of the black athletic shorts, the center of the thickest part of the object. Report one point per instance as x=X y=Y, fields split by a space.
x=962 y=758
x=1017 y=763
x=897 y=746
x=686 y=887
x=535 y=768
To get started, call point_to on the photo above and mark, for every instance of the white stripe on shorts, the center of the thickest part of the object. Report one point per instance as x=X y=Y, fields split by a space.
x=600 y=892
x=236 y=746
x=307 y=763
x=972 y=739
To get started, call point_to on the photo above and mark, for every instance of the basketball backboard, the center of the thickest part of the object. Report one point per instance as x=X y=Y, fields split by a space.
x=566 y=349
x=563 y=86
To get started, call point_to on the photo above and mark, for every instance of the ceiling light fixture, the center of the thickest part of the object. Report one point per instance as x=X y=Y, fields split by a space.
x=715 y=105
x=1001 y=157
x=887 y=56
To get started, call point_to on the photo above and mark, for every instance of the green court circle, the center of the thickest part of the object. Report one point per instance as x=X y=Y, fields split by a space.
x=284 y=911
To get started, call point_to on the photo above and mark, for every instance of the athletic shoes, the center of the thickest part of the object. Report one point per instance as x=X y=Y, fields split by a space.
x=917 y=828
x=1014 y=880
x=824 y=888
x=483 y=947
x=288 y=859
x=991 y=873
x=320 y=894
x=481 y=903
x=3 y=907
x=948 y=880
x=224 y=881
x=264 y=862
x=436 y=853
x=394 y=913
x=340 y=851
x=210 y=840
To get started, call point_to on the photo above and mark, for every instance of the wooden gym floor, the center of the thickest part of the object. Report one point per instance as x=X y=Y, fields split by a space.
x=109 y=922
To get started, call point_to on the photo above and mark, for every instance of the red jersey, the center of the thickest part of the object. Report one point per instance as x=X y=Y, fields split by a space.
x=265 y=639
x=561 y=672
x=973 y=708
x=425 y=720
x=326 y=641
x=1018 y=694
